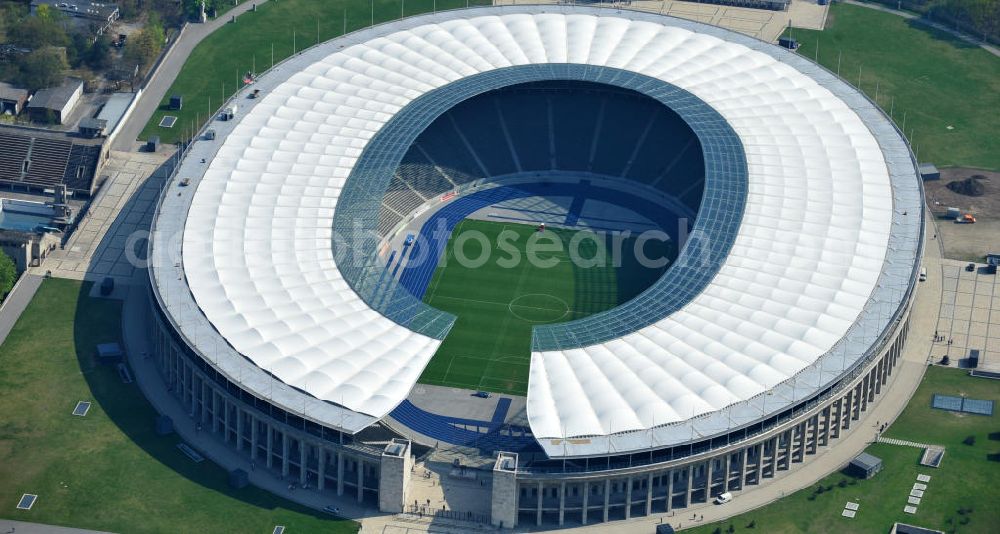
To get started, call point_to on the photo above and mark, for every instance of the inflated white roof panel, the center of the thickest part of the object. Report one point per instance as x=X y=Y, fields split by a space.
x=257 y=242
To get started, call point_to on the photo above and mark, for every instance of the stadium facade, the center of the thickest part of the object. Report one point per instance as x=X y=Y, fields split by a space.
x=781 y=321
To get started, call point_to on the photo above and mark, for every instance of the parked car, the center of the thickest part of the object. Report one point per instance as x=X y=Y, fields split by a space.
x=332 y=510
x=970 y=267
x=923 y=274
x=723 y=498
x=482 y=394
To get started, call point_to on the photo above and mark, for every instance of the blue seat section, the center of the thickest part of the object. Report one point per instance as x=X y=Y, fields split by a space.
x=489 y=436
x=625 y=119
x=573 y=215
x=500 y=413
x=567 y=126
x=480 y=124
x=434 y=234
x=527 y=120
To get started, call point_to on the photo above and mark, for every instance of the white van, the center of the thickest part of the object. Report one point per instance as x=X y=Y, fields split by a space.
x=724 y=498
x=923 y=274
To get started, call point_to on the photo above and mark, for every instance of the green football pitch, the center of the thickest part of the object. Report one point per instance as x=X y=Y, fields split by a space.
x=499 y=294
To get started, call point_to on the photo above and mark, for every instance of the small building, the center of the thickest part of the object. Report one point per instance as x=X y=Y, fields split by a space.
x=97 y=15
x=12 y=99
x=788 y=42
x=928 y=171
x=93 y=128
x=865 y=465
x=114 y=109
x=56 y=103
x=992 y=262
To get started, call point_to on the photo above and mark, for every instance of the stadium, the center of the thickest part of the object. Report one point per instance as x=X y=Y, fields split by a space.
x=302 y=311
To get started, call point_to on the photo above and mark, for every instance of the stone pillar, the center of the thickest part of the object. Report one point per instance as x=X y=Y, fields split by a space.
x=628 y=498
x=225 y=420
x=774 y=456
x=607 y=497
x=649 y=495
x=361 y=480
x=709 y=475
x=215 y=412
x=538 y=509
x=586 y=499
x=284 y=454
x=340 y=472
x=204 y=401
x=253 y=437
x=270 y=446
x=690 y=486
x=503 y=504
x=239 y=429
x=725 y=481
x=321 y=471
x=303 y=462
x=562 y=503
x=670 y=489
x=394 y=475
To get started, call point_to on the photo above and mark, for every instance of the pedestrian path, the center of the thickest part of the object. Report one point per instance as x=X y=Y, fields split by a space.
x=902 y=442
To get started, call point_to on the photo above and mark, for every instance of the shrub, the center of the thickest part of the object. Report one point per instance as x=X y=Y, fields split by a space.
x=752 y=523
x=842 y=483
x=969 y=440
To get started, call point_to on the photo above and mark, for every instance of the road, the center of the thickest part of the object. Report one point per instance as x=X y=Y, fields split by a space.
x=16 y=302
x=22 y=527
x=157 y=86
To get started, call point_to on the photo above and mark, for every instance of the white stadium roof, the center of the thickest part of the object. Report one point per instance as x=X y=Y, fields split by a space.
x=807 y=263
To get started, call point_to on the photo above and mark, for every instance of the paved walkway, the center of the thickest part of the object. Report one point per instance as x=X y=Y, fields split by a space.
x=117 y=221
x=917 y=18
x=157 y=86
x=23 y=527
x=15 y=303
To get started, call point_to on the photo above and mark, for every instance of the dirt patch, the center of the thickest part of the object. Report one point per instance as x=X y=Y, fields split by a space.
x=971 y=191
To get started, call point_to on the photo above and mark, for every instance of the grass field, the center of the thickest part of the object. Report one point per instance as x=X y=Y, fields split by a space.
x=108 y=470
x=215 y=67
x=966 y=479
x=936 y=80
x=498 y=302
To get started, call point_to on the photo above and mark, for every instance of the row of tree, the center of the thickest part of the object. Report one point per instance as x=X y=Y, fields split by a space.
x=980 y=18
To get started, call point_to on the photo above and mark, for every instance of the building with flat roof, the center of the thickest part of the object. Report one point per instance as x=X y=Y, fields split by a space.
x=12 y=99
x=55 y=104
x=97 y=15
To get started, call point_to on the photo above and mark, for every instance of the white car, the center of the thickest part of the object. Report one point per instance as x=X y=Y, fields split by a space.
x=724 y=498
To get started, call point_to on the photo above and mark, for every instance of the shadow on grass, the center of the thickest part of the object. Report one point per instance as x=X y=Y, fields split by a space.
x=924 y=25
x=99 y=321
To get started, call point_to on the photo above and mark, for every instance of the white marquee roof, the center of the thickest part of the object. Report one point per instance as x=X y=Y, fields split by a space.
x=257 y=243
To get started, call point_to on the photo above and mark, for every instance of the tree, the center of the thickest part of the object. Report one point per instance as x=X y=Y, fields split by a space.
x=144 y=45
x=40 y=30
x=98 y=56
x=42 y=68
x=8 y=274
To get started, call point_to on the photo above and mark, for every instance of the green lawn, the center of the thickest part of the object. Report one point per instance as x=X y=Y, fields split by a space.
x=497 y=303
x=108 y=470
x=936 y=80
x=966 y=478
x=215 y=67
